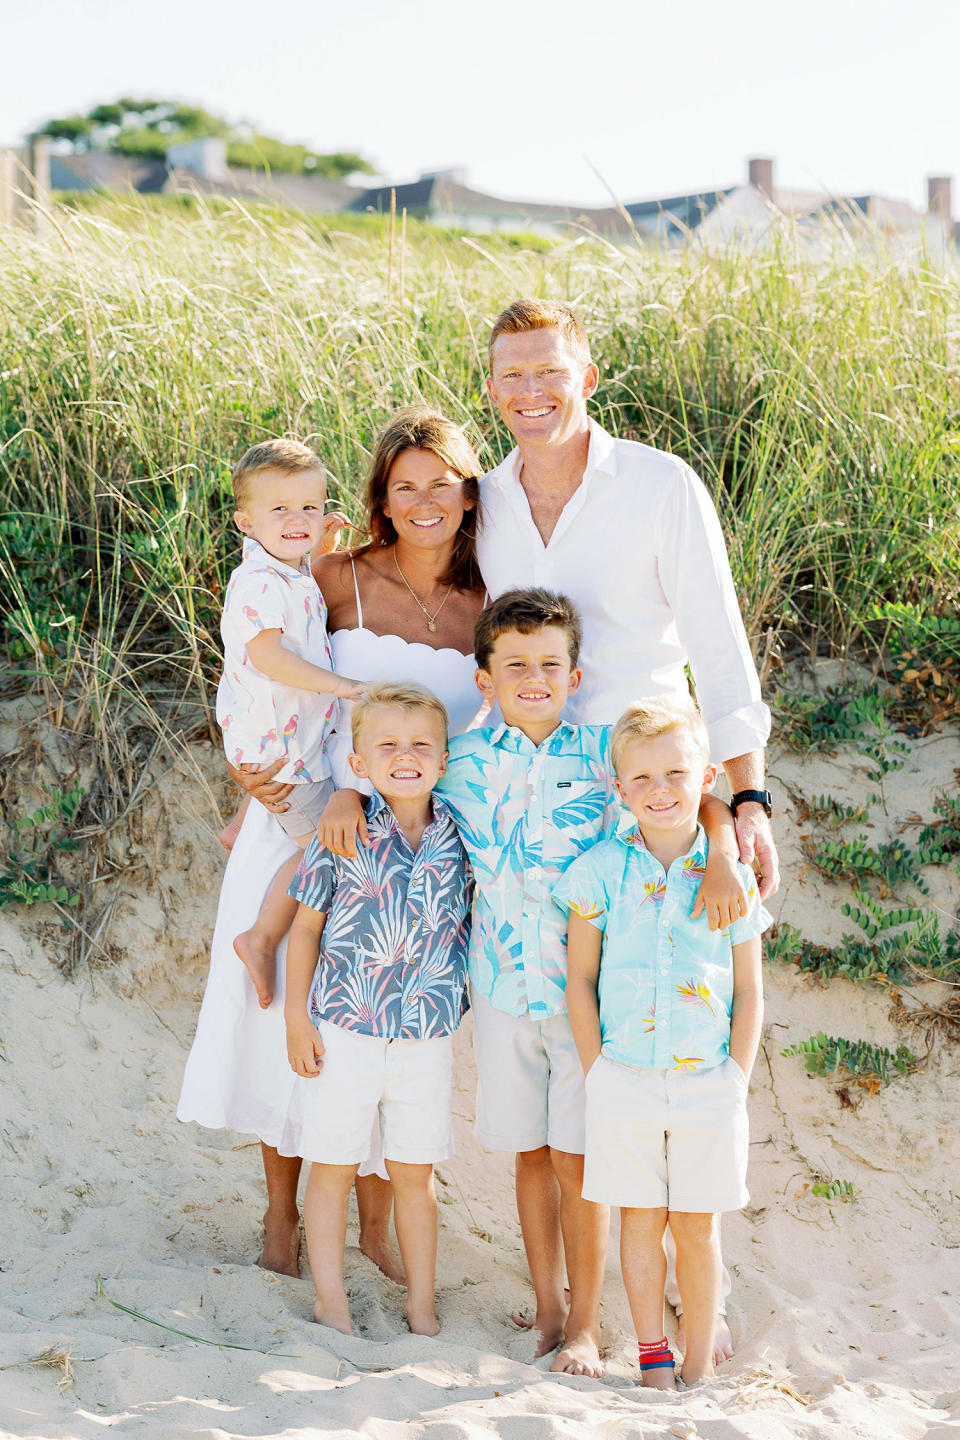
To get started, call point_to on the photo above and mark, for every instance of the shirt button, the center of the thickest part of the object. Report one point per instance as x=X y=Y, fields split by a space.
x=662 y=1024
x=664 y=971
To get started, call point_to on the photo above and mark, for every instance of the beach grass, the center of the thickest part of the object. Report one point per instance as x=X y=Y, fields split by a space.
x=143 y=346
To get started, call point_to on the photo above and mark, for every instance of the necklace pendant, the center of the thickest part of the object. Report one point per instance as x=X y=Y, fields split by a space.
x=432 y=626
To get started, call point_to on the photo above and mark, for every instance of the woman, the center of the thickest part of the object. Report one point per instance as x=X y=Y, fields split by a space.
x=402 y=607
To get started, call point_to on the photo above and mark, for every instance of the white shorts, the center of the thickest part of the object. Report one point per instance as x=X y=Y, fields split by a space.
x=666 y=1137
x=529 y=1081
x=406 y=1082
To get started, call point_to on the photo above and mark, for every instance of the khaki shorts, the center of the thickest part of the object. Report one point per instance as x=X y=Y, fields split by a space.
x=406 y=1082
x=666 y=1137
x=529 y=1081
x=307 y=803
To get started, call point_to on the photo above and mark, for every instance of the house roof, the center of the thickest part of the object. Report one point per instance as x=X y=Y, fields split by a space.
x=434 y=194
x=304 y=192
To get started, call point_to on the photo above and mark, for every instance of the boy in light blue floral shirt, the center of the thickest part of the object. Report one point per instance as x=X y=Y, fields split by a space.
x=666 y=1016
x=529 y=796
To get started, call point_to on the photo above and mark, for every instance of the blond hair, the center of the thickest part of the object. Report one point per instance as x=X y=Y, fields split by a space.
x=524 y=315
x=290 y=457
x=405 y=695
x=649 y=719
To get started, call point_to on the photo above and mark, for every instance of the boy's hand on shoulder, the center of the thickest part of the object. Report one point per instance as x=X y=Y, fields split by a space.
x=304 y=1048
x=721 y=897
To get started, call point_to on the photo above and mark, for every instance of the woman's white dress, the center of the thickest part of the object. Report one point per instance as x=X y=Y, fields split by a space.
x=237 y=1074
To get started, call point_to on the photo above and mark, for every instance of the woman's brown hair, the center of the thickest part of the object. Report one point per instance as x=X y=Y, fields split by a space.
x=420 y=428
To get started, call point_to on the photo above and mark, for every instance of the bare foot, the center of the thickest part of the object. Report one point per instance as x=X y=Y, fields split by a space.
x=260 y=957
x=691 y=1377
x=337 y=1316
x=229 y=834
x=580 y=1356
x=281 y=1245
x=422 y=1321
x=524 y=1320
x=381 y=1250
x=722 y=1340
x=663 y=1378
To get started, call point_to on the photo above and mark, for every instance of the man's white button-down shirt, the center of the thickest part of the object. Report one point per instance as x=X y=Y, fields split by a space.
x=639 y=550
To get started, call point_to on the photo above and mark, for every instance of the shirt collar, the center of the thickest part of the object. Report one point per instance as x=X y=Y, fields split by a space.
x=629 y=834
x=511 y=737
x=378 y=807
x=601 y=455
x=254 y=551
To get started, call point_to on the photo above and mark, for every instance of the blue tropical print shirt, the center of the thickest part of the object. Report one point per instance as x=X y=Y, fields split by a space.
x=666 y=981
x=524 y=812
x=393 y=953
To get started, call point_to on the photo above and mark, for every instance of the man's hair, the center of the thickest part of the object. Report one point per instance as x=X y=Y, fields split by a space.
x=287 y=456
x=403 y=694
x=526 y=611
x=524 y=315
x=420 y=428
x=649 y=719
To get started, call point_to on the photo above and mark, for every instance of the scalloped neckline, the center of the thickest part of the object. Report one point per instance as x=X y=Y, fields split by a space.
x=410 y=644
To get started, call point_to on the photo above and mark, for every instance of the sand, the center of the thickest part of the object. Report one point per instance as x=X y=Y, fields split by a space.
x=845 y=1315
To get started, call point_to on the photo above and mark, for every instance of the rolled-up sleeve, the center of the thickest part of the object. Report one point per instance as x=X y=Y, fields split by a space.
x=696 y=580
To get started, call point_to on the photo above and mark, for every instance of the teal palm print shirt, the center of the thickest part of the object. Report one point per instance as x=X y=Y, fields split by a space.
x=666 y=981
x=524 y=812
x=393 y=953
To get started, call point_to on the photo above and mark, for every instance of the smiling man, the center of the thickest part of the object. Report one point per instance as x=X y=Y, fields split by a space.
x=631 y=535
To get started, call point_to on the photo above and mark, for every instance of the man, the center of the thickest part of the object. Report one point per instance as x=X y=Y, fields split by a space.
x=631 y=535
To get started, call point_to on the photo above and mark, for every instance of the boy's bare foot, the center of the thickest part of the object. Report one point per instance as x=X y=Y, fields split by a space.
x=422 y=1321
x=281 y=1245
x=691 y=1377
x=661 y=1379
x=382 y=1251
x=336 y=1316
x=260 y=958
x=580 y=1356
x=722 y=1339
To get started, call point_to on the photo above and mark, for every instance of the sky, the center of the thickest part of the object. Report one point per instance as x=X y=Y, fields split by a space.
x=558 y=100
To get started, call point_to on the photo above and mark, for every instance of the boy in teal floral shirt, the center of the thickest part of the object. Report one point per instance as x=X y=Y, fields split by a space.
x=666 y=1016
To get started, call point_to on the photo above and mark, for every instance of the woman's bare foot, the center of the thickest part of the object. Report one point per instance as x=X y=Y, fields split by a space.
x=335 y=1314
x=722 y=1339
x=422 y=1320
x=260 y=957
x=281 y=1244
x=381 y=1250
x=580 y=1355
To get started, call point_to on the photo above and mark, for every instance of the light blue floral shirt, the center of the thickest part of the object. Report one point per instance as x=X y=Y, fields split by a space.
x=393 y=954
x=666 y=981
x=524 y=812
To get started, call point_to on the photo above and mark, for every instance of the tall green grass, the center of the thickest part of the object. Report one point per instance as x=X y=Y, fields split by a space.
x=142 y=347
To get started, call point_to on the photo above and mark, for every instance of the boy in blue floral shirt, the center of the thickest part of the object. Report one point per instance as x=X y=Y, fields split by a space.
x=372 y=1025
x=666 y=1016
x=529 y=796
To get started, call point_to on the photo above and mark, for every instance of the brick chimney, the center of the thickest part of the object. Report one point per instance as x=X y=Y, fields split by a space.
x=939 y=196
x=760 y=175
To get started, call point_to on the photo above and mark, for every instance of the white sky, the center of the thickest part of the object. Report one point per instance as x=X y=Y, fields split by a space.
x=854 y=96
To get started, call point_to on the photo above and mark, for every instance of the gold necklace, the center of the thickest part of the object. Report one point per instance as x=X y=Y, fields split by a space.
x=431 y=619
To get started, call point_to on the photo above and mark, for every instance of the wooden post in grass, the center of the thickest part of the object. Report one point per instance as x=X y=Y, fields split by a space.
x=8 y=185
x=40 y=172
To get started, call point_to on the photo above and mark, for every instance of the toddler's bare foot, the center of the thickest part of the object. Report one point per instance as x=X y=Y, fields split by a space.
x=381 y=1250
x=230 y=833
x=281 y=1244
x=336 y=1314
x=580 y=1356
x=722 y=1340
x=422 y=1319
x=664 y=1379
x=260 y=957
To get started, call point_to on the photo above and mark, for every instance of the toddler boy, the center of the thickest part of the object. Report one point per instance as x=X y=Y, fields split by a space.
x=666 y=1016
x=529 y=796
x=390 y=927
x=277 y=696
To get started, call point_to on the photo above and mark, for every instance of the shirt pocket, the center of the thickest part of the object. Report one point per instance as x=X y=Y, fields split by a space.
x=575 y=805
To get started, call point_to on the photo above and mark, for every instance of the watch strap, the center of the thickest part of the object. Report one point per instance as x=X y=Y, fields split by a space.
x=760 y=797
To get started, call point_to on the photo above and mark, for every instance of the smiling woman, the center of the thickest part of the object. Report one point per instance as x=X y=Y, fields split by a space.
x=402 y=607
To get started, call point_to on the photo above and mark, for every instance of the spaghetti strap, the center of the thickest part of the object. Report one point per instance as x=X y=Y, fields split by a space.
x=356 y=591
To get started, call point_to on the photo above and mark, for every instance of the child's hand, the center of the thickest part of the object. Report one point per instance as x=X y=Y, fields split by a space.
x=341 y=823
x=330 y=534
x=721 y=895
x=304 y=1048
x=346 y=689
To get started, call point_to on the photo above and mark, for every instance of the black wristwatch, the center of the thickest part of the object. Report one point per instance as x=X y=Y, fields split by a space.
x=762 y=797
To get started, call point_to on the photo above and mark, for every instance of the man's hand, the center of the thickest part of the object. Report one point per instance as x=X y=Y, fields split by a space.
x=755 y=839
x=259 y=783
x=304 y=1048
x=342 y=823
